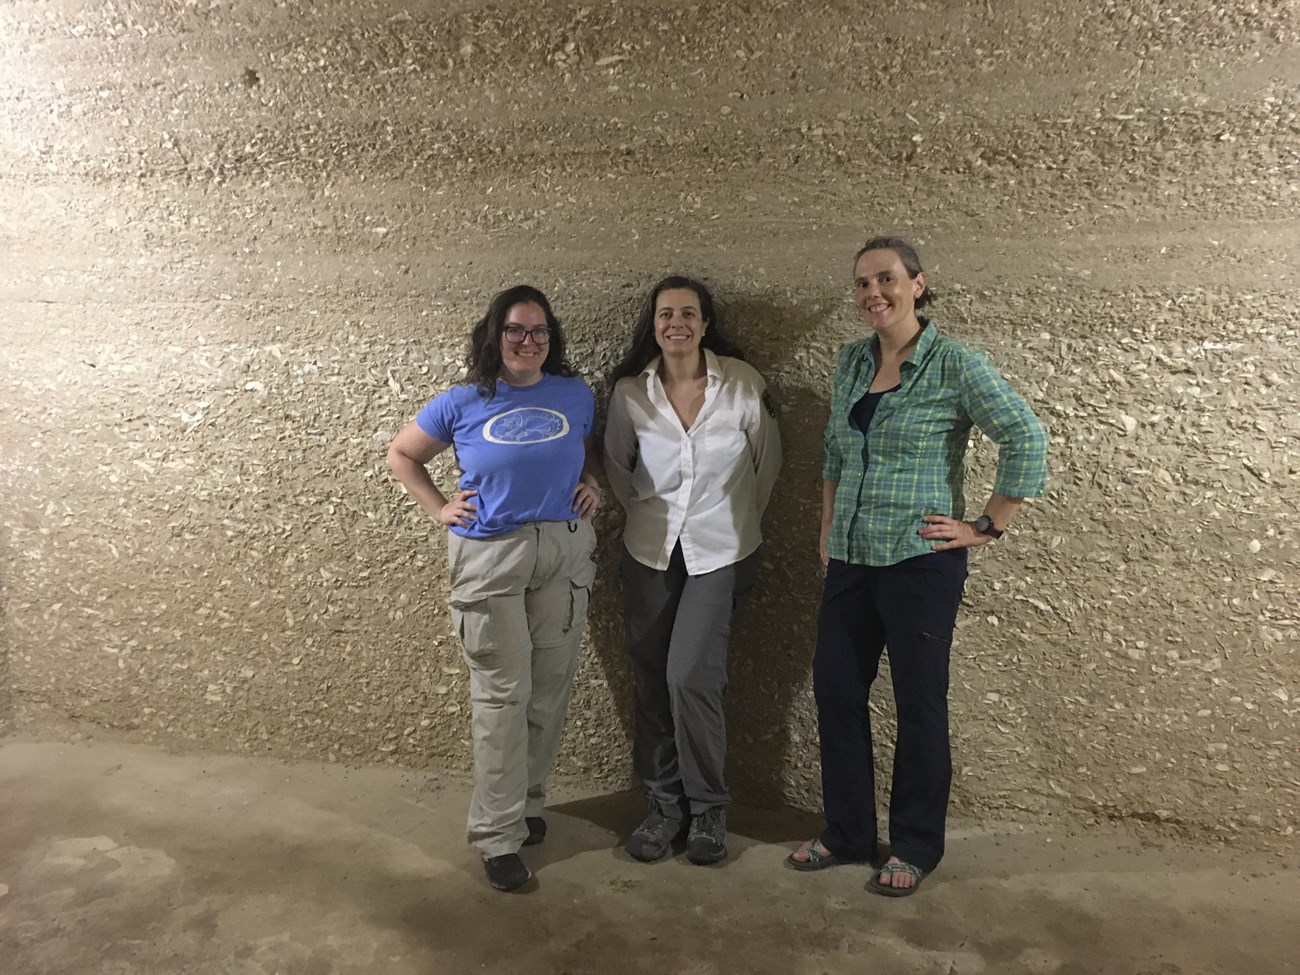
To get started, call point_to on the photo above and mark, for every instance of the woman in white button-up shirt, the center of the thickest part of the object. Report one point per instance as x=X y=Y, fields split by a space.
x=691 y=451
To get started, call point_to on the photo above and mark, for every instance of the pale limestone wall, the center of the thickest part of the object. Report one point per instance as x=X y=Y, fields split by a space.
x=241 y=248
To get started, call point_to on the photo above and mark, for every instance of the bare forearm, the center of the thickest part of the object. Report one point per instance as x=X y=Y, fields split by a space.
x=593 y=466
x=1002 y=509
x=828 y=517
x=949 y=533
x=419 y=485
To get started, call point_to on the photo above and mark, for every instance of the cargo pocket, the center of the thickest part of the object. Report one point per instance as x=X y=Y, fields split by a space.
x=475 y=627
x=579 y=599
x=580 y=595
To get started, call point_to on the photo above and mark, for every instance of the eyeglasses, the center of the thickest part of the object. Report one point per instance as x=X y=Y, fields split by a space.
x=515 y=334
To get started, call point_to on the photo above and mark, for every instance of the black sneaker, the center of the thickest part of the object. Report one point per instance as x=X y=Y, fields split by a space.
x=506 y=872
x=536 y=830
x=707 y=841
x=653 y=839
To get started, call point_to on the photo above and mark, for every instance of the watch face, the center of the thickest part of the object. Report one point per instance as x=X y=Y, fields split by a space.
x=983 y=523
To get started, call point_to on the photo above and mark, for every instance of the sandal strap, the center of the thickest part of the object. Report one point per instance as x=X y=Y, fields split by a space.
x=814 y=851
x=889 y=869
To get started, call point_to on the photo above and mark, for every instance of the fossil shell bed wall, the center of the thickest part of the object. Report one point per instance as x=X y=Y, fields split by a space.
x=244 y=243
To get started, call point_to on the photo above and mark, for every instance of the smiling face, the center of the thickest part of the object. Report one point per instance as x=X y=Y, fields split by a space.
x=521 y=363
x=885 y=295
x=679 y=325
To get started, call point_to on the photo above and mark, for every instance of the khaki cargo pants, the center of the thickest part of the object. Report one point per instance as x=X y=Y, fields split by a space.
x=519 y=604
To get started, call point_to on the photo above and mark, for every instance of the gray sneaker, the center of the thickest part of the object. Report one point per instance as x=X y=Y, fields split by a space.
x=707 y=840
x=653 y=839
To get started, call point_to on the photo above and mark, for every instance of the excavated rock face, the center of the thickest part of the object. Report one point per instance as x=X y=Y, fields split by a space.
x=244 y=243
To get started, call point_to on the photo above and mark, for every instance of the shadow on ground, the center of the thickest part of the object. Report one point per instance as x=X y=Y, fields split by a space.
x=118 y=858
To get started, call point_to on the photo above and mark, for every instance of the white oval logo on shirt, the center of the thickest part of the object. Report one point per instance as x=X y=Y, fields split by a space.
x=526 y=425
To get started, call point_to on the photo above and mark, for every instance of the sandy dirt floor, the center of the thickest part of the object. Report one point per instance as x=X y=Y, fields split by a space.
x=125 y=859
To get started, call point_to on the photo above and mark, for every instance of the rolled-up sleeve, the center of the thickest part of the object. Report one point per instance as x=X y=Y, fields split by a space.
x=1006 y=418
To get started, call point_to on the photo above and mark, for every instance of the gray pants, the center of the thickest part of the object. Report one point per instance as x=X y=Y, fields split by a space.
x=678 y=627
x=519 y=604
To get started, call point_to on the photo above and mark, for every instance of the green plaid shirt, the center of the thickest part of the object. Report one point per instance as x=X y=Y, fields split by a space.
x=912 y=460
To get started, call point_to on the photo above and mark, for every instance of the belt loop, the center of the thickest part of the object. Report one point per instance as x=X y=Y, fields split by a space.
x=573 y=527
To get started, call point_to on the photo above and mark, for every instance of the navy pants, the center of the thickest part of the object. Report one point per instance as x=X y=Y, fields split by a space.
x=911 y=609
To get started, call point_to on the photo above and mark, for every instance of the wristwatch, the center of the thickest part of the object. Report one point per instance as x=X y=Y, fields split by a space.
x=984 y=525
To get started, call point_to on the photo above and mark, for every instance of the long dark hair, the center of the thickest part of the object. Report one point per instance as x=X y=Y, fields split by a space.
x=485 y=341
x=643 y=348
x=907 y=254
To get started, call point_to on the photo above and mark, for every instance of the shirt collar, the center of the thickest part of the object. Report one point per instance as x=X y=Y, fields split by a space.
x=712 y=368
x=929 y=335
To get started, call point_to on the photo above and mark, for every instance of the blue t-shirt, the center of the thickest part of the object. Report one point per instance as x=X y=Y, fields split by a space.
x=522 y=450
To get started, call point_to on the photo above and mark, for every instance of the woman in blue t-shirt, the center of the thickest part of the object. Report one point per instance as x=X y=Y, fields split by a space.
x=519 y=548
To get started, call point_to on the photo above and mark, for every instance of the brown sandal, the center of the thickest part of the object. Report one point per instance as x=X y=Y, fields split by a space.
x=819 y=858
x=876 y=883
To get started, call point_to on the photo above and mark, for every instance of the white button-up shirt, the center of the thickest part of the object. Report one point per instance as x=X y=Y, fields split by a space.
x=707 y=486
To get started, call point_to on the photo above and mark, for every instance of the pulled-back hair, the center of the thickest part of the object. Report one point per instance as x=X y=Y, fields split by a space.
x=907 y=254
x=484 y=365
x=643 y=348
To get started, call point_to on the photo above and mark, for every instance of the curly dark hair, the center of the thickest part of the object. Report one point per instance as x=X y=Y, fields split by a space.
x=907 y=254
x=484 y=365
x=643 y=348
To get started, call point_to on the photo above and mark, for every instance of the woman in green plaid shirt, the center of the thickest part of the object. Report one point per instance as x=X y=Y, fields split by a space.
x=894 y=543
